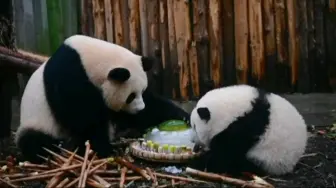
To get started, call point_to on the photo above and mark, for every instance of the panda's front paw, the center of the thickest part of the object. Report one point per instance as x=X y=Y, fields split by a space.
x=104 y=151
x=197 y=164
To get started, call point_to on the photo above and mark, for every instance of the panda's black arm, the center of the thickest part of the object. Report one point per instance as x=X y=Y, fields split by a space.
x=100 y=143
x=200 y=162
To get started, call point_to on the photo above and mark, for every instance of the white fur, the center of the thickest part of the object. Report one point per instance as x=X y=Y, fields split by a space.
x=283 y=143
x=34 y=111
x=98 y=58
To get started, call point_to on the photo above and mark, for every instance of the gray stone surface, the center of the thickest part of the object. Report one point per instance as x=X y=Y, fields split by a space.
x=317 y=109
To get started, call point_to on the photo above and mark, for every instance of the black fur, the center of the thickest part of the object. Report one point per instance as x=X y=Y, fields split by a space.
x=79 y=108
x=157 y=110
x=204 y=113
x=76 y=104
x=147 y=62
x=31 y=143
x=228 y=148
x=119 y=74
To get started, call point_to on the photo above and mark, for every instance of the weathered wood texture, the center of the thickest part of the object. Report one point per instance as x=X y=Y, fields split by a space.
x=280 y=45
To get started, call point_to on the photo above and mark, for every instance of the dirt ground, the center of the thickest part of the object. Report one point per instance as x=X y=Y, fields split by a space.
x=316 y=169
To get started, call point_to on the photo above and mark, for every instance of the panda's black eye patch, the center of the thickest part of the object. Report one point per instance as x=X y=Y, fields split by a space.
x=130 y=98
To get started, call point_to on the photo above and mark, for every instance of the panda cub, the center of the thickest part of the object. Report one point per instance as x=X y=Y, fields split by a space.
x=72 y=94
x=245 y=129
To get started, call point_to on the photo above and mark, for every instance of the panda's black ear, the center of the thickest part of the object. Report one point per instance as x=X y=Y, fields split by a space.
x=204 y=113
x=147 y=63
x=119 y=74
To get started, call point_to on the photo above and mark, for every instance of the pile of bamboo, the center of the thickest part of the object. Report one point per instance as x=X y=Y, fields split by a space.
x=71 y=170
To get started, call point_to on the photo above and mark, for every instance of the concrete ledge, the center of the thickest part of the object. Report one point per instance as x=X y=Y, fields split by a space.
x=317 y=109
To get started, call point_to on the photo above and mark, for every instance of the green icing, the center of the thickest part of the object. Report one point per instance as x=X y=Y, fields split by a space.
x=170 y=125
x=173 y=125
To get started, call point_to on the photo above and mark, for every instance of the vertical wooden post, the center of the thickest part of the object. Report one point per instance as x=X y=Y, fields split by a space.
x=180 y=10
x=201 y=37
x=165 y=54
x=87 y=26
x=134 y=26
x=323 y=66
x=153 y=18
x=311 y=44
x=241 y=40
x=173 y=50
x=293 y=41
x=283 y=69
x=301 y=17
x=215 y=35
x=109 y=23
x=98 y=12
x=228 y=20
x=256 y=38
x=270 y=44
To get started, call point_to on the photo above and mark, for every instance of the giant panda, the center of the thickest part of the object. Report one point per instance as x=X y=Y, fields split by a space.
x=72 y=93
x=245 y=129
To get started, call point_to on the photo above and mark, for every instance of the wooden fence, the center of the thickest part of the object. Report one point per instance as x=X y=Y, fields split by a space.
x=281 y=45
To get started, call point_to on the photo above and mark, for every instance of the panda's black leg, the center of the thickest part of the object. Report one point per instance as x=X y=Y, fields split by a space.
x=31 y=143
x=100 y=143
x=200 y=162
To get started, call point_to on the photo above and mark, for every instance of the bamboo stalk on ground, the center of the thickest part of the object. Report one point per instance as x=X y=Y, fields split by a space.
x=217 y=177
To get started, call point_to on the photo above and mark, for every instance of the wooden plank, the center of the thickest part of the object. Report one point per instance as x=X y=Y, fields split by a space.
x=322 y=66
x=99 y=19
x=56 y=36
x=228 y=69
x=293 y=41
x=311 y=44
x=283 y=70
x=180 y=10
x=256 y=38
x=303 y=77
x=125 y=12
x=215 y=35
x=134 y=26
x=173 y=50
x=119 y=30
x=332 y=5
x=144 y=29
x=84 y=17
x=193 y=55
x=153 y=18
x=201 y=38
x=87 y=26
x=280 y=28
x=109 y=20
x=241 y=40
x=166 y=62
x=270 y=45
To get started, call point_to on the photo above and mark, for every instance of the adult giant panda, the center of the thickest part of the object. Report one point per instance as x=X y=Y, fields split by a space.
x=245 y=129
x=72 y=93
